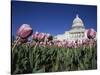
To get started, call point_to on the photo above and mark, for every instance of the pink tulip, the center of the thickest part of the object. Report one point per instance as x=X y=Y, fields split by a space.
x=49 y=43
x=24 y=31
x=64 y=43
x=41 y=36
x=41 y=43
x=84 y=41
x=91 y=33
x=59 y=44
x=70 y=44
x=48 y=37
x=35 y=36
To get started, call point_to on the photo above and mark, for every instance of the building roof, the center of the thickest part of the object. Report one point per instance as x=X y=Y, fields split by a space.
x=77 y=22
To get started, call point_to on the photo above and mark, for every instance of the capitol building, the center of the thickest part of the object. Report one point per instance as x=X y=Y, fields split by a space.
x=77 y=32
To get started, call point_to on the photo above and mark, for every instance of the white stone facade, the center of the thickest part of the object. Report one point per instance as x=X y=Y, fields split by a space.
x=78 y=31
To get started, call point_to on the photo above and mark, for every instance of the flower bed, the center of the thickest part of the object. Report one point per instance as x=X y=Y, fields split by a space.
x=43 y=54
x=26 y=59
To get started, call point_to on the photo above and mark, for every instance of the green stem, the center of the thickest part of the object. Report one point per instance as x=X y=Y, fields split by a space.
x=15 y=44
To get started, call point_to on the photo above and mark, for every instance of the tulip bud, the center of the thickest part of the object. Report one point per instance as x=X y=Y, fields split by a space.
x=24 y=31
x=69 y=44
x=35 y=36
x=48 y=37
x=91 y=33
x=41 y=36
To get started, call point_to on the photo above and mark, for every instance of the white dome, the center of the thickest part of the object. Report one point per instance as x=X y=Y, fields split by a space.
x=77 y=22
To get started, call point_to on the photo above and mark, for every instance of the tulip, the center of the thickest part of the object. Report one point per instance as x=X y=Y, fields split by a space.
x=48 y=37
x=41 y=36
x=35 y=36
x=70 y=44
x=64 y=43
x=49 y=43
x=59 y=44
x=41 y=43
x=24 y=31
x=91 y=33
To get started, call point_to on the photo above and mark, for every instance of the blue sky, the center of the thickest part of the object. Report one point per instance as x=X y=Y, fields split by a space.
x=51 y=17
